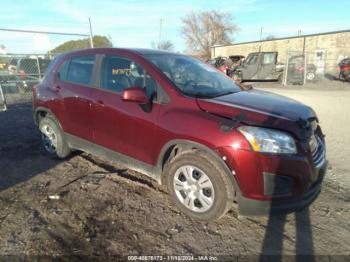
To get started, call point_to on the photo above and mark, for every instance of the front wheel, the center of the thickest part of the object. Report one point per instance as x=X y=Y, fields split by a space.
x=237 y=76
x=199 y=186
x=53 y=138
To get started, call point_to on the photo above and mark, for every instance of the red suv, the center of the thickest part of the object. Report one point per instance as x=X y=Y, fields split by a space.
x=186 y=125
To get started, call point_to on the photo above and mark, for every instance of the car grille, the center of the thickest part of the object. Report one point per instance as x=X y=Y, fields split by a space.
x=317 y=150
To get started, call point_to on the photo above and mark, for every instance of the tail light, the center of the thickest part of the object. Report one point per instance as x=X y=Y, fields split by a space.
x=301 y=69
x=345 y=67
x=223 y=69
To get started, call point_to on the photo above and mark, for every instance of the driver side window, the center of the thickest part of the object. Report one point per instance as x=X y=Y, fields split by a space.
x=119 y=73
x=251 y=60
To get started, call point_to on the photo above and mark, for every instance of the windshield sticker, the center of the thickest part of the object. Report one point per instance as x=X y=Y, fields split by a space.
x=121 y=71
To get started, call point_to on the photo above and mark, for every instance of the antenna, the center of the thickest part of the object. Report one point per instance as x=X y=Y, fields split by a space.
x=261 y=31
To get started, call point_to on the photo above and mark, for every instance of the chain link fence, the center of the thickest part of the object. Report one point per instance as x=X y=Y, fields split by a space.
x=26 y=54
x=18 y=75
x=309 y=67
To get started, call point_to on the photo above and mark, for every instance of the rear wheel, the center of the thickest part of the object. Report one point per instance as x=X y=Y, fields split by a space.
x=53 y=139
x=310 y=76
x=199 y=186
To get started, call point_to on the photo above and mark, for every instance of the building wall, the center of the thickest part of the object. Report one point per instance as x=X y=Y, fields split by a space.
x=333 y=47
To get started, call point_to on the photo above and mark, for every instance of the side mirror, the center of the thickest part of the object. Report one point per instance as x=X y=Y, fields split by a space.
x=135 y=94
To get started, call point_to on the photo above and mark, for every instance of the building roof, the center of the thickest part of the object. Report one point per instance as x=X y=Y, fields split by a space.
x=284 y=38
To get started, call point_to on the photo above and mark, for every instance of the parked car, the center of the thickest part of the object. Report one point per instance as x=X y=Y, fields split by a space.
x=27 y=71
x=186 y=125
x=233 y=62
x=28 y=68
x=220 y=63
x=344 y=68
x=258 y=66
x=264 y=66
x=296 y=71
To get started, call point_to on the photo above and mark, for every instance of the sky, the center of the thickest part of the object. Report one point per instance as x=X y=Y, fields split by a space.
x=135 y=23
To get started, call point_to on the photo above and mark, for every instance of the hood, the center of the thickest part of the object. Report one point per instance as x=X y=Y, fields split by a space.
x=262 y=108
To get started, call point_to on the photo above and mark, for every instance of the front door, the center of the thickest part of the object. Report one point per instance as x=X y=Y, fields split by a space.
x=125 y=127
x=267 y=66
x=250 y=66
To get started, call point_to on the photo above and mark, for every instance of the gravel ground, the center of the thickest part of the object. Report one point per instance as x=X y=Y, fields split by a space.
x=85 y=206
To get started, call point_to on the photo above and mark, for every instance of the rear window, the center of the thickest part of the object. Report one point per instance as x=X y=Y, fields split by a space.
x=80 y=69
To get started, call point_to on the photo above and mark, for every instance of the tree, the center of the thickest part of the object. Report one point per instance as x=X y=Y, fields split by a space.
x=2 y=49
x=202 y=30
x=163 y=45
x=99 y=41
x=270 y=37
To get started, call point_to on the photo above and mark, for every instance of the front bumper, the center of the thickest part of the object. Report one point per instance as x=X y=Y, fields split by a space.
x=252 y=207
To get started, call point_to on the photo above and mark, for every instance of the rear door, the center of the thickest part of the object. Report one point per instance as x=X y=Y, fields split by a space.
x=74 y=87
x=267 y=65
x=125 y=127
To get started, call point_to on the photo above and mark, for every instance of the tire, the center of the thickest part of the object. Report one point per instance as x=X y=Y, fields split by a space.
x=185 y=172
x=237 y=76
x=53 y=139
x=280 y=78
x=310 y=76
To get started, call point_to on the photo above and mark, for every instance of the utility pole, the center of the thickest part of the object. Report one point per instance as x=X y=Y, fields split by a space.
x=261 y=30
x=160 y=32
x=91 y=37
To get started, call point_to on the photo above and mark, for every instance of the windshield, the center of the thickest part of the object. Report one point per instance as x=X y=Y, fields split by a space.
x=193 y=77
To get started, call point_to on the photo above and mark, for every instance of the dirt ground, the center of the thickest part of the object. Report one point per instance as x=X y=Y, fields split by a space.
x=104 y=209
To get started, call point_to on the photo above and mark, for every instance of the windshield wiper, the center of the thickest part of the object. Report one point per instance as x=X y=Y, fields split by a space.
x=198 y=95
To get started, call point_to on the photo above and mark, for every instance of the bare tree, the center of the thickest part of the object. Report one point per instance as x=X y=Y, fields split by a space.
x=202 y=30
x=163 y=45
x=2 y=49
x=270 y=37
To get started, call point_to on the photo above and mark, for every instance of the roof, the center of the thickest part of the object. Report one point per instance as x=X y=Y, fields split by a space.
x=284 y=38
x=139 y=51
x=145 y=51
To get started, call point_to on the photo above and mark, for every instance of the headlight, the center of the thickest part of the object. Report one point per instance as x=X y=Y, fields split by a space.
x=268 y=140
